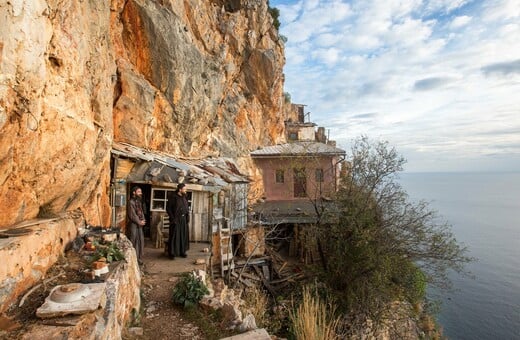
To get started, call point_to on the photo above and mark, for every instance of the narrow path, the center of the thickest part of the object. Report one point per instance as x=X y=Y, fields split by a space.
x=159 y=319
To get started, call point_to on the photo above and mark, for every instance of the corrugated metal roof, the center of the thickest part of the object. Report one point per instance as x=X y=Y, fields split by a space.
x=225 y=168
x=295 y=211
x=301 y=148
x=192 y=173
x=132 y=151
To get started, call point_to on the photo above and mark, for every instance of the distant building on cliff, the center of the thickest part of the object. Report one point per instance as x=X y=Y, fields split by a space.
x=298 y=176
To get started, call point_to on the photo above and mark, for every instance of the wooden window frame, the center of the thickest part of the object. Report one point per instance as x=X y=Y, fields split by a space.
x=318 y=175
x=279 y=176
x=156 y=201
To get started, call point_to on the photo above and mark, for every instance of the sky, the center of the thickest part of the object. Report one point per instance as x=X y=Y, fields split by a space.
x=439 y=80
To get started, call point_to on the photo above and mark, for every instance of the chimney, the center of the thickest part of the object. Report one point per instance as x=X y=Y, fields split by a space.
x=320 y=135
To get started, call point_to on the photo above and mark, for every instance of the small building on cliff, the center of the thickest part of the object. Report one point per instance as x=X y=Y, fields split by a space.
x=216 y=189
x=299 y=178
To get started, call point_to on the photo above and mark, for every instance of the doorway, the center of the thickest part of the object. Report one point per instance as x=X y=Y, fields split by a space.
x=300 y=182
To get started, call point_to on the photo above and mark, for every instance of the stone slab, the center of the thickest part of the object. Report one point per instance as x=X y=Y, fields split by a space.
x=63 y=300
x=257 y=334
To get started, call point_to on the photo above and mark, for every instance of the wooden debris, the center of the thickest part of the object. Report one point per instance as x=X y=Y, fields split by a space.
x=265 y=271
x=292 y=278
x=269 y=288
x=250 y=276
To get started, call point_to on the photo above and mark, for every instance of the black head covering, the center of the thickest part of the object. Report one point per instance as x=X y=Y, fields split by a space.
x=134 y=189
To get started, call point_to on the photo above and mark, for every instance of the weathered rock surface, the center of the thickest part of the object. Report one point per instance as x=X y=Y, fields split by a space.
x=257 y=334
x=191 y=78
x=121 y=297
x=26 y=259
x=56 y=90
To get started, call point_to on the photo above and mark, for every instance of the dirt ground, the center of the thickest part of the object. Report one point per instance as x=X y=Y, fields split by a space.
x=159 y=318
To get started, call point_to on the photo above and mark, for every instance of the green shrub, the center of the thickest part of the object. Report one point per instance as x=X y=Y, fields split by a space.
x=189 y=291
x=275 y=14
x=110 y=252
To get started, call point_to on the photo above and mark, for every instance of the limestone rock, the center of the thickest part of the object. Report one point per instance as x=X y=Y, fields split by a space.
x=56 y=67
x=231 y=315
x=79 y=299
x=257 y=334
x=190 y=78
x=248 y=323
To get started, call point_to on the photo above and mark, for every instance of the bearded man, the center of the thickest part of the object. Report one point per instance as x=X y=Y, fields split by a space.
x=178 y=212
x=135 y=212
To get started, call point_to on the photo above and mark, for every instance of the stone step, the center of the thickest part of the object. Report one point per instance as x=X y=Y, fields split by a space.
x=256 y=334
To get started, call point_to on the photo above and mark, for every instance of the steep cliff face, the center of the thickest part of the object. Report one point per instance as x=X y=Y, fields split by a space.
x=56 y=63
x=192 y=78
x=209 y=77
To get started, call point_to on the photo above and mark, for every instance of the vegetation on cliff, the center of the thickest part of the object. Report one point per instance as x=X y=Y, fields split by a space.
x=379 y=251
x=380 y=247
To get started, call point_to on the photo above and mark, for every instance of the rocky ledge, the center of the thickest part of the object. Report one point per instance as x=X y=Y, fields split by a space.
x=65 y=313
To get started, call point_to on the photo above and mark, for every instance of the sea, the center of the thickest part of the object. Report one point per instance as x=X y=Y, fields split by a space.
x=484 y=211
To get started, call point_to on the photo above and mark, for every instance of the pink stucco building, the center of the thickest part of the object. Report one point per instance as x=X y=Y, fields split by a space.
x=300 y=170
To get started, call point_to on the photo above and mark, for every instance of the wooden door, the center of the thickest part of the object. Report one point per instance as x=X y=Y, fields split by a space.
x=300 y=182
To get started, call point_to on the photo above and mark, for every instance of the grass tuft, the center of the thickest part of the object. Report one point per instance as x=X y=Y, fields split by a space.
x=313 y=318
x=258 y=304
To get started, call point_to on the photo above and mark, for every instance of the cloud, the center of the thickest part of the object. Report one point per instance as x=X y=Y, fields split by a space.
x=500 y=9
x=433 y=77
x=503 y=132
x=502 y=68
x=431 y=83
x=445 y=6
x=460 y=21
x=328 y=56
x=363 y=116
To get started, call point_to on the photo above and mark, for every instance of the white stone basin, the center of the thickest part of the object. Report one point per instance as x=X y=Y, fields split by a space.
x=69 y=293
x=72 y=298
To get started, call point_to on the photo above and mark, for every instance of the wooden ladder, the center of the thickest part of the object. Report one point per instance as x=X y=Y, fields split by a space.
x=226 y=248
x=165 y=232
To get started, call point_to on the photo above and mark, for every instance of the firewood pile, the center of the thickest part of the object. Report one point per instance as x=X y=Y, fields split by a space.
x=272 y=271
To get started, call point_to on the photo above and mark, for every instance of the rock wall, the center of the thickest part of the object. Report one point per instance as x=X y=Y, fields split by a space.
x=121 y=298
x=192 y=78
x=26 y=258
x=56 y=90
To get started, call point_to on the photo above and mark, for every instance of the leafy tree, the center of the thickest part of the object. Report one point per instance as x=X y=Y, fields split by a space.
x=381 y=247
x=275 y=14
x=287 y=97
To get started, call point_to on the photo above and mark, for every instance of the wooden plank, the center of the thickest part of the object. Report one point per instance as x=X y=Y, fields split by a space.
x=288 y=278
x=250 y=276
x=258 y=260
x=269 y=288
x=246 y=282
x=266 y=273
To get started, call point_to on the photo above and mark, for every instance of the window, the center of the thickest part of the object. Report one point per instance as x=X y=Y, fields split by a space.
x=160 y=198
x=293 y=135
x=319 y=175
x=300 y=182
x=280 y=176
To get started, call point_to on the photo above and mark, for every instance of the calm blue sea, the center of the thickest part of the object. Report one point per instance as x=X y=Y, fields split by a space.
x=484 y=210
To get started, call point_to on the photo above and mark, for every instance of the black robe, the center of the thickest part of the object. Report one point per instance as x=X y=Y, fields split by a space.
x=135 y=213
x=179 y=238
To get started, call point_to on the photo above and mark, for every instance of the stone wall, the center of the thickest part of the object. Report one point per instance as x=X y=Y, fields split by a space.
x=121 y=298
x=26 y=258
